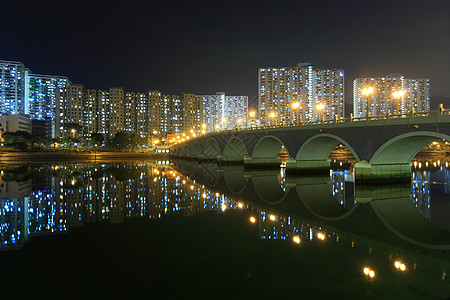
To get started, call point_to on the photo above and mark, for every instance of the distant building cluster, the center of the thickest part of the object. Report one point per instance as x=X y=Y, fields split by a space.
x=393 y=93
x=300 y=94
x=60 y=103
x=286 y=96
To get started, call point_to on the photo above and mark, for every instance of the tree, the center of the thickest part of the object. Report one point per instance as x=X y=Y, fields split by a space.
x=97 y=139
x=120 y=141
x=73 y=128
x=19 y=139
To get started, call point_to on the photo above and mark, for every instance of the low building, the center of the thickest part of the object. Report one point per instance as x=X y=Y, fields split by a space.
x=13 y=123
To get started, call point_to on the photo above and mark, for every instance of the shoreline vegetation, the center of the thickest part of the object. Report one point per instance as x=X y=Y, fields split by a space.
x=86 y=156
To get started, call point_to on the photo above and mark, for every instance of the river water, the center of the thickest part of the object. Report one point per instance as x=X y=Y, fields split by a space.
x=178 y=229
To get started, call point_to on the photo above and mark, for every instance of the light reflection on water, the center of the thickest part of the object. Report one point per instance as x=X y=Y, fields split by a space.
x=52 y=199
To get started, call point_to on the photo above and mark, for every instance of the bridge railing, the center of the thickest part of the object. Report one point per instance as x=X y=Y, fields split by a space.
x=437 y=114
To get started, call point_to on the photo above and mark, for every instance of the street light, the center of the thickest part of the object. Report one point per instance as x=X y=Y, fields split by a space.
x=367 y=92
x=272 y=115
x=397 y=95
x=319 y=108
x=252 y=114
x=295 y=105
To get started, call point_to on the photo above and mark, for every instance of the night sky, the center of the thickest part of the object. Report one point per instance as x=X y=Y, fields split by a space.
x=209 y=46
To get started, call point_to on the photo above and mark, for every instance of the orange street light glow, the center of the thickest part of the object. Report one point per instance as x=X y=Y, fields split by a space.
x=320 y=106
x=398 y=94
x=367 y=91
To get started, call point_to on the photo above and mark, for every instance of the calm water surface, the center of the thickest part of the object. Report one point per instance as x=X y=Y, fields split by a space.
x=178 y=229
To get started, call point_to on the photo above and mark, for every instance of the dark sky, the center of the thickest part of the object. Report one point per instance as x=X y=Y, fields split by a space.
x=209 y=46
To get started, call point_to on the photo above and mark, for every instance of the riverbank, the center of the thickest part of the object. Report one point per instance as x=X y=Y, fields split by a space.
x=45 y=157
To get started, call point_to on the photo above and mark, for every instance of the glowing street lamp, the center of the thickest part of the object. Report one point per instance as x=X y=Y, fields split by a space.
x=397 y=95
x=367 y=92
x=319 y=108
x=252 y=114
x=296 y=105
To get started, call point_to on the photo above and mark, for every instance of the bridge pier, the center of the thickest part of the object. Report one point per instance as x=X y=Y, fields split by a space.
x=307 y=166
x=230 y=160
x=382 y=173
x=262 y=162
x=367 y=193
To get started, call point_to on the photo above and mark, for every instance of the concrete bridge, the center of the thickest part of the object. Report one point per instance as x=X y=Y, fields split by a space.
x=382 y=146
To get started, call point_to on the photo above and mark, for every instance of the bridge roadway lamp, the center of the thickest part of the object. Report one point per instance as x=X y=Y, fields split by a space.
x=367 y=92
x=319 y=108
x=397 y=95
x=271 y=116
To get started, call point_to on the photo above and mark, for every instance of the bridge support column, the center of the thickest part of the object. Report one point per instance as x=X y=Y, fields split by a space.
x=230 y=160
x=366 y=193
x=262 y=162
x=382 y=173
x=200 y=157
x=307 y=166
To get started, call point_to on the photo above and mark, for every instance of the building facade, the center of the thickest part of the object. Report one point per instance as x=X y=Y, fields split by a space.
x=300 y=94
x=12 y=87
x=221 y=112
x=393 y=93
x=45 y=96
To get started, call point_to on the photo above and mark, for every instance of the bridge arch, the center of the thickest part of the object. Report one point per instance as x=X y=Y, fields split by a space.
x=196 y=150
x=212 y=149
x=234 y=147
x=320 y=146
x=403 y=148
x=268 y=146
x=186 y=150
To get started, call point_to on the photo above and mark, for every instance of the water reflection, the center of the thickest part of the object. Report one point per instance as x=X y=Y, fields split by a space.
x=393 y=221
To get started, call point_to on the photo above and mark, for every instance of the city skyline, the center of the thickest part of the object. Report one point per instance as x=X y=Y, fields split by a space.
x=192 y=47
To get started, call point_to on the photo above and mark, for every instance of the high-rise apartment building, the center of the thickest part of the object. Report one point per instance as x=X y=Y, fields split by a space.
x=103 y=113
x=175 y=113
x=74 y=108
x=300 y=94
x=193 y=113
x=155 y=112
x=141 y=114
x=45 y=99
x=328 y=94
x=393 y=92
x=12 y=87
x=129 y=102
x=224 y=112
x=90 y=112
x=116 y=113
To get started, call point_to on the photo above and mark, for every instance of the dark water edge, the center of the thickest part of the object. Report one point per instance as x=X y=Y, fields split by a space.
x=209 y=255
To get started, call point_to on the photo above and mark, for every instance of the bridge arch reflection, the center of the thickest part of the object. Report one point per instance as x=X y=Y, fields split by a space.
x=311 y=200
